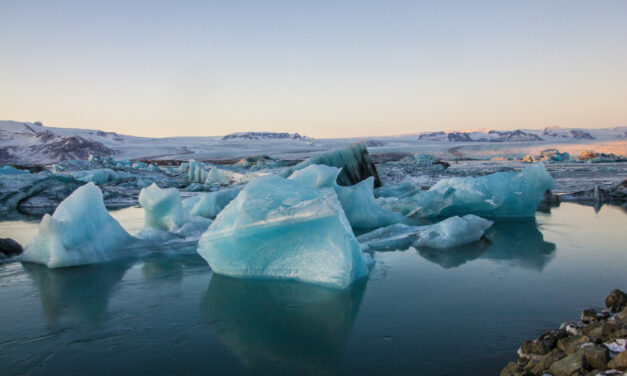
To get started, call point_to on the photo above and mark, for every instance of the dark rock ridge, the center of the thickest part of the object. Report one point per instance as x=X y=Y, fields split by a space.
x=593 y=346
x=265 y=136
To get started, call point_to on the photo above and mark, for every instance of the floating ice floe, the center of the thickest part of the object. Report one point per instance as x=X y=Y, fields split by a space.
x=354 y=161
x=361 y=208
x=280 y=229
x=100 y=176
x=451 y=232
x=499 y=195
x=80 y=231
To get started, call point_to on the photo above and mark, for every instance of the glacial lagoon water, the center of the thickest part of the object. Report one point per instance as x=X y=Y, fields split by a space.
x=420 y=312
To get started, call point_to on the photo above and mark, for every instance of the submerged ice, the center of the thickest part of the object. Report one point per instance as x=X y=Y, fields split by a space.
x=499 y=195
x=281 y=229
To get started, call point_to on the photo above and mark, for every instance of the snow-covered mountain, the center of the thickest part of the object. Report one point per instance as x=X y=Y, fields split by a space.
x=265 y=136
x=525 y=135
x=34 y=143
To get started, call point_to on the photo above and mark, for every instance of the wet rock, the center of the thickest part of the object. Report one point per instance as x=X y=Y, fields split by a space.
x=594 y=329
x=597 y=356
x=568 y=344
x=550 y=338
x=616 y=301
x=546 y=361
x=588 y=315
x=568 y=365
x=10 y=248
x=619 y=362
x=533 y=350
x=511 y=369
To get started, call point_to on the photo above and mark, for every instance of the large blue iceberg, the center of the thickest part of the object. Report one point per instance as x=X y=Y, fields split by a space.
x=281 y=229
x=80 y=231
x=499 y=195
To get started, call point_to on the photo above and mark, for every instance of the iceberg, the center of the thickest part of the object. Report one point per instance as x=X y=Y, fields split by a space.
x=100 y=176
x=196 y=172
x=358 y=201
x=280 y=229
x=354 y=160
x=362 y=209
x=10 y=170
x=318 y=176
x=80 y=231
x=499 y=195
x=451 y=232
x=209 y=204
x=163 y=208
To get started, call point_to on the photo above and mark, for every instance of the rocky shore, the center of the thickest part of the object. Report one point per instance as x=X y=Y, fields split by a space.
x=593 y=346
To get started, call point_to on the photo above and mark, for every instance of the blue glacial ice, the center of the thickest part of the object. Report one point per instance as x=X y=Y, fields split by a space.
x=499 y=195
x=354 y=161
x=163 y=208
x=10 y=170
x=451 y=232
x=80 y=231
x=280 y=229
x=318 y=176
x=209 y=204
x=358 y=201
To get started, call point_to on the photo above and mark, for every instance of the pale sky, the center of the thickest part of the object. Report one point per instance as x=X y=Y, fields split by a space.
x=320 y=68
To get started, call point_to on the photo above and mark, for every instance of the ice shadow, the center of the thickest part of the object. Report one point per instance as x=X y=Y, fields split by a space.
x=281 y=323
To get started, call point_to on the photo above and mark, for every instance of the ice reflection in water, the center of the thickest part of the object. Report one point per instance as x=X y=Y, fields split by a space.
x=275 y=321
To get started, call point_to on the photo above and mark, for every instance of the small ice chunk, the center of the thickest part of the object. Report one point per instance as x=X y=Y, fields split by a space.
x=451 y=232
x=196 y=172
x=99 y=176
x=80 y=231
x=163 y=208
x=209 y=204
x=280 y=229
x=499 y=195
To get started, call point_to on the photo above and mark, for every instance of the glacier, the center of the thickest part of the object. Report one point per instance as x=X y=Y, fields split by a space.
x=498 y=195
x=80 y=231
x=281 y=229
x=451 y=232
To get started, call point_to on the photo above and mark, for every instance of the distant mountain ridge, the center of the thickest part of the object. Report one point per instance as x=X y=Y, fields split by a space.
x=265 y=136
x=34 y=143
x=526 y=135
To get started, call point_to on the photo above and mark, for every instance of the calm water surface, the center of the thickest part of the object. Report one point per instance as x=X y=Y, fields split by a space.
x=421 y=312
